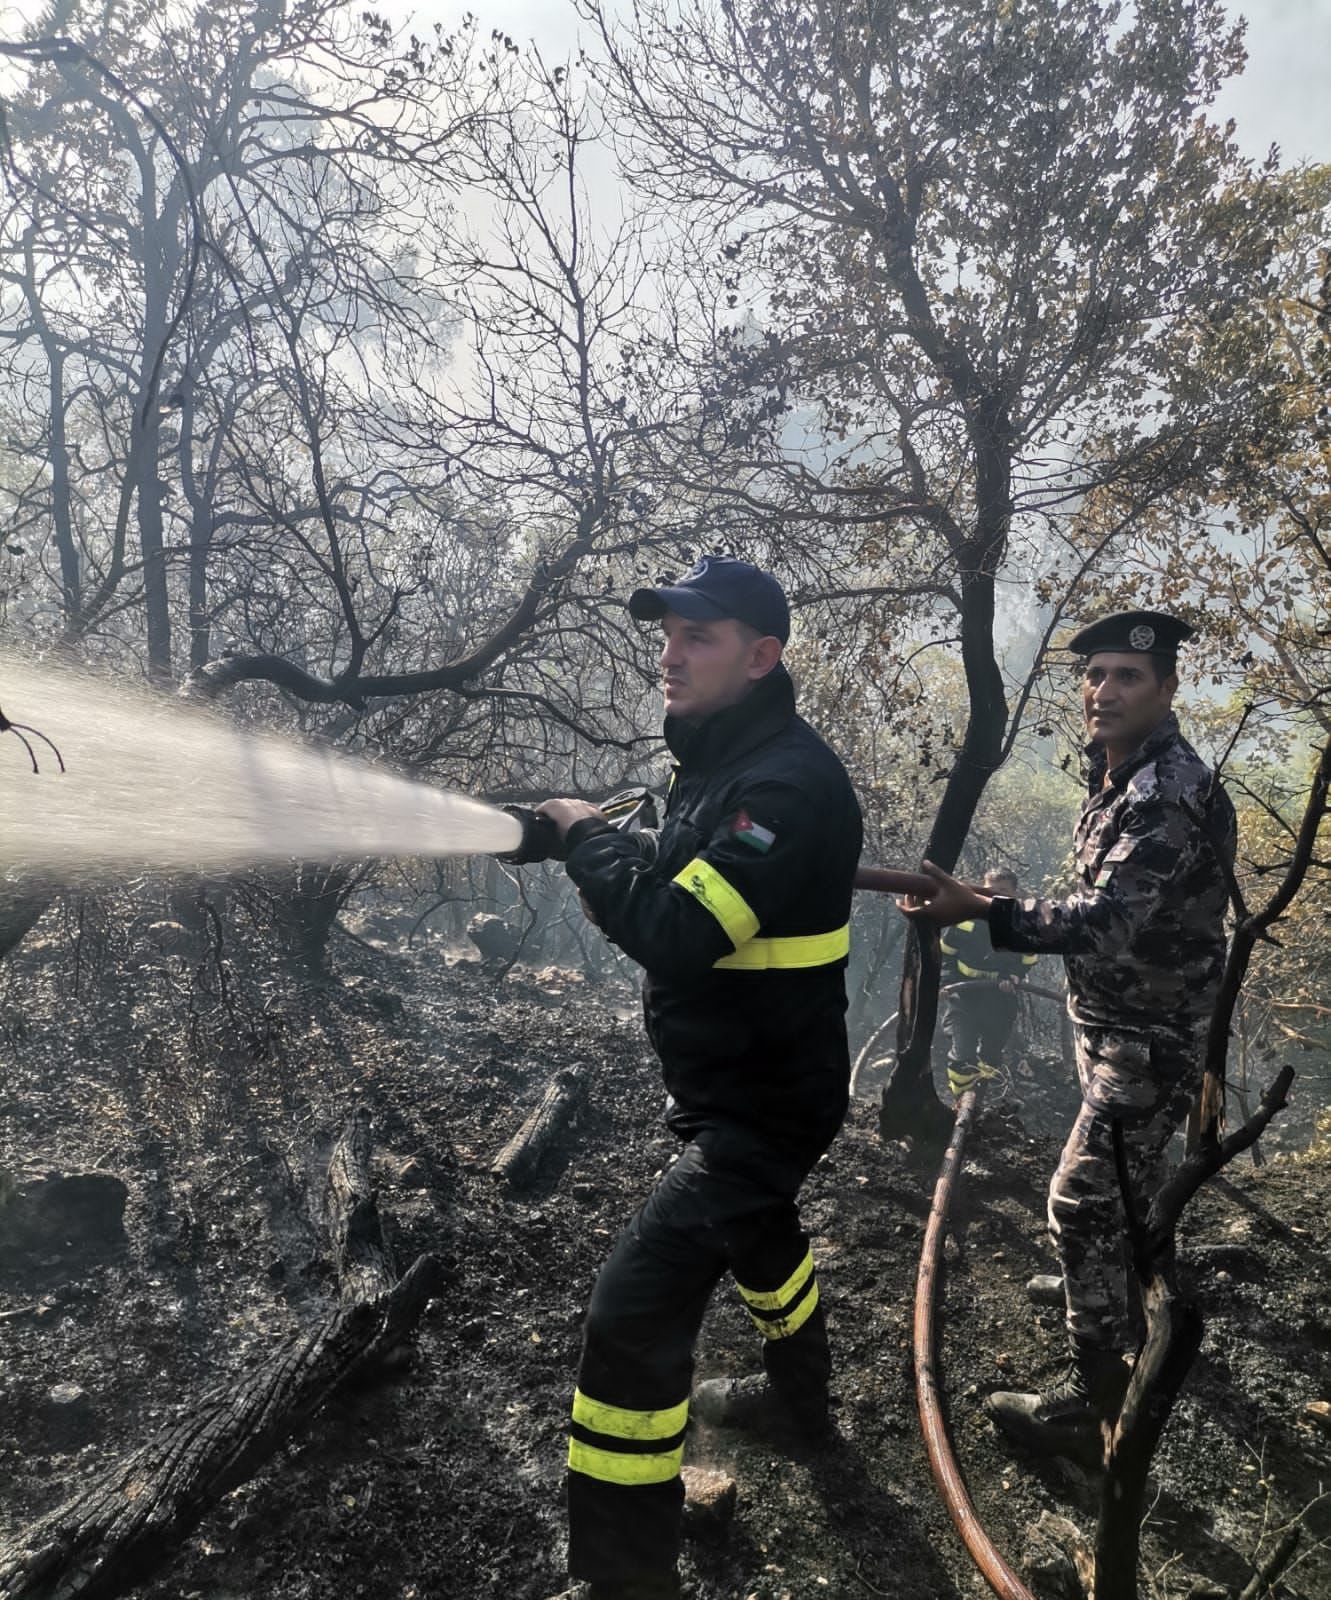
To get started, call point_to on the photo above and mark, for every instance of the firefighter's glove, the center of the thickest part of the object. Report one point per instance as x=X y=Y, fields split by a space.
x=963 y=1075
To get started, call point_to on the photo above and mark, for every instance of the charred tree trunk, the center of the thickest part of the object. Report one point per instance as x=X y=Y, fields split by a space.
x=129 y=1519
x=518 y=1160
x=306 y=901
x=910 y=1106
x=1250 y=929
x=1173 y=1337
x=133 y=1516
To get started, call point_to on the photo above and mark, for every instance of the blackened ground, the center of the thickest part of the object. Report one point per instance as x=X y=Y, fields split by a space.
x=447 y=1481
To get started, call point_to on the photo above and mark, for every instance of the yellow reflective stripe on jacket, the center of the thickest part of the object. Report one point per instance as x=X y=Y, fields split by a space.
x=1029 y=961
x=621 y=1423
x=783 y=1327
x=612 y=1466
x=796 y=950
x=722 y=899
x=973 y=972
x=774 y=1299
x=946 y=948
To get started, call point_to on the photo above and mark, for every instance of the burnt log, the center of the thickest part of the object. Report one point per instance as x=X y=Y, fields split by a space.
x=124 y=1523
x=361 y=1255
x=517 y=1162
x=132 y=1516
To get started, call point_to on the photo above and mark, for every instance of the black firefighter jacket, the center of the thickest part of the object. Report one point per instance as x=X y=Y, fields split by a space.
x=739 y=911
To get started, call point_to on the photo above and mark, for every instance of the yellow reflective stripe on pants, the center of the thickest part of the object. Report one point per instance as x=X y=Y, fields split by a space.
x=774 y=1299
x=782 y=1327
x=762 y=1302
x=621 y=1423
x=795 y=950
x=721 y=898
x=615 y=1466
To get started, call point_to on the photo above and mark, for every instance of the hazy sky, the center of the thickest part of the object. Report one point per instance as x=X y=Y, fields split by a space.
x=1282 y=97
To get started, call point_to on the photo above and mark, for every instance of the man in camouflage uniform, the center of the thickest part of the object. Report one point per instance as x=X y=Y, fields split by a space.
x=1144 y=944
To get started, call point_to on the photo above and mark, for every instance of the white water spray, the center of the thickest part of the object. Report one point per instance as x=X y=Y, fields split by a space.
x=153 y=783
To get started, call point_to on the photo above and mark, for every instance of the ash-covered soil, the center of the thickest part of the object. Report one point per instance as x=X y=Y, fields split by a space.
x=446 y=1482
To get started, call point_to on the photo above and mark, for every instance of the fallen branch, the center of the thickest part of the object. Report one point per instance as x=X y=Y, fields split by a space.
x=108 y=1535
x=1263 y=1580
x=134 y=1515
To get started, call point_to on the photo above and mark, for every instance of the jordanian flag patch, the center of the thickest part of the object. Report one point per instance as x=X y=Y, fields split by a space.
x=752 y=833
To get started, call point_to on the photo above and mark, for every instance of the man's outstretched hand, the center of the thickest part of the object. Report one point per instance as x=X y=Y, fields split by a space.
x=951 y=902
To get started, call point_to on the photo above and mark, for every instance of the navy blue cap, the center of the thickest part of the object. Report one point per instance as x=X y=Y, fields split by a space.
x=1133 y=632
x=717 y=587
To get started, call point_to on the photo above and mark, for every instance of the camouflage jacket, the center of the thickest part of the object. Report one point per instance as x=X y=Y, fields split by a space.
x=1143 y=937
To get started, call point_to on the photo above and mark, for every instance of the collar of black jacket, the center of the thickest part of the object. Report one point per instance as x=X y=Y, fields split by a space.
x=764 y=711
x=1160 y=738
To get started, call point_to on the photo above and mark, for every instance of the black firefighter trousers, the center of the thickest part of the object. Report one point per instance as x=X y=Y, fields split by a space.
x=726 y=1205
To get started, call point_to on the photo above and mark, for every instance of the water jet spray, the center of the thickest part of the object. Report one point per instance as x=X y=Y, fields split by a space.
x=154 y=784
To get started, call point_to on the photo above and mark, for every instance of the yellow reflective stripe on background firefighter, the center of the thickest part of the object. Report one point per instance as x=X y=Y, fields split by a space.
x=721 y=898
x=796 y=950
x=619 y=1458
x=783 y=1323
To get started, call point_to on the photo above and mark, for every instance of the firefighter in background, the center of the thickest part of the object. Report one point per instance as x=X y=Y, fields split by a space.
x=981 y=1006
x=739 y=913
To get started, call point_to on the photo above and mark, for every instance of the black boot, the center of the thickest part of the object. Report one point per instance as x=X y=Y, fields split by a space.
x=755 y=1405
x=1066 y=1419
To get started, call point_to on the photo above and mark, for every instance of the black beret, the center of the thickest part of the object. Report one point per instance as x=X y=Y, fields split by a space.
x=1145 y=632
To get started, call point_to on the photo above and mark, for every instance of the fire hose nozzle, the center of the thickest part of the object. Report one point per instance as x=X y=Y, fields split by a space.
x=625 y=812
x=540 y=838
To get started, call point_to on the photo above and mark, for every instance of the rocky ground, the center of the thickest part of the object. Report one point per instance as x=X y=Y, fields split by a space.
x=445 y=1482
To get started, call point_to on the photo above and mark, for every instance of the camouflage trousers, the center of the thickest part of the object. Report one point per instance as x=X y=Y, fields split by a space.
x=1148 y=1085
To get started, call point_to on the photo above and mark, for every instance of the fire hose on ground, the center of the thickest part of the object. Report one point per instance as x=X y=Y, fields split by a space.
x=942 y=1461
